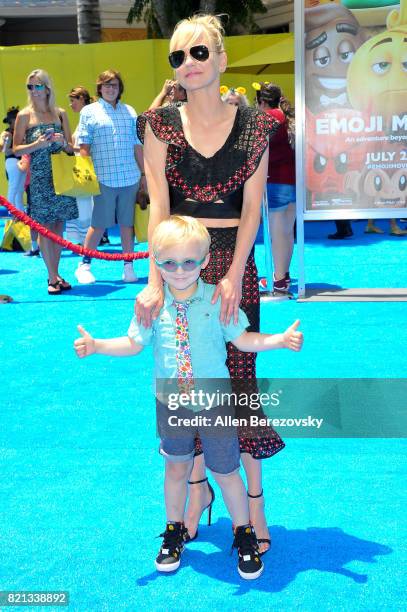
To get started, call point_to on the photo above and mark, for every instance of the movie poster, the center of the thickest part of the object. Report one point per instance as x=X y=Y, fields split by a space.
x=355 y=104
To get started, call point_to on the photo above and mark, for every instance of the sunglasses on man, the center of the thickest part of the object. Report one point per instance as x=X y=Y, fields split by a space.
x=199 y=53
x=37 y=87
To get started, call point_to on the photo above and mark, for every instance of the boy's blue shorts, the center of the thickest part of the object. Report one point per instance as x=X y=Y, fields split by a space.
x=220 y=443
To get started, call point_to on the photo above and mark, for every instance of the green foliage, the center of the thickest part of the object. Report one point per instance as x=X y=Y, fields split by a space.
x=137 y=10
x=238 y=14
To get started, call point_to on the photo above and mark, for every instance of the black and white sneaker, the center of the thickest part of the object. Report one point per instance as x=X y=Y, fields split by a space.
x=250 y=566
x=169 y=557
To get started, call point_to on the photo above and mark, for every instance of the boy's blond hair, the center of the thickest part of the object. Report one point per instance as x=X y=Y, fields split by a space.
x=177 y=230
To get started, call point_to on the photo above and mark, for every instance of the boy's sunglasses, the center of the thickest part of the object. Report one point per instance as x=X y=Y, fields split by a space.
x=170 y=265
x=199 y=53
x=37 y=87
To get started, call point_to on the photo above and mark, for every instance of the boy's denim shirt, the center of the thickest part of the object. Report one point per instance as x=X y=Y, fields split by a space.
x=207 y=335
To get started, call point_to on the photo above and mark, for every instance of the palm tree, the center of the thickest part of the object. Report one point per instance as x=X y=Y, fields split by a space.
x=88 y=14
x=161 y=16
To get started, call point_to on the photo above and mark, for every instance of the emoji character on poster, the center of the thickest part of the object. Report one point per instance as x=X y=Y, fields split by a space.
x=332 y=37
x=377 y=77
x=384 y=186
x=371 y=13
x=330 y=157
x=368 y=4
x=312 y=3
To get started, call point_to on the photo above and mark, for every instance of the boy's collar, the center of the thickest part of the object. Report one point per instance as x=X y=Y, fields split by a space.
x=198 y=295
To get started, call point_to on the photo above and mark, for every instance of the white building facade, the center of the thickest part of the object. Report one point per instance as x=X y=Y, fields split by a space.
x=54 y=21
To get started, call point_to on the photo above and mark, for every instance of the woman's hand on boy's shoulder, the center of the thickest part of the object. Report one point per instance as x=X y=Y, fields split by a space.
x=85 y=345
x=148 y=304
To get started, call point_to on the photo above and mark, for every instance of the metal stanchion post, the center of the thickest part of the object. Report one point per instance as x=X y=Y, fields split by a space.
x=267 y=240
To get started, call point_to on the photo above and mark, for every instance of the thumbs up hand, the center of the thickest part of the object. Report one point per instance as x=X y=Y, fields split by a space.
x=85 y=345
x=292 y=338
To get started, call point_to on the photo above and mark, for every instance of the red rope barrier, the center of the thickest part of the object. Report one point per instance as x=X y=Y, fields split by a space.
x=76 y=248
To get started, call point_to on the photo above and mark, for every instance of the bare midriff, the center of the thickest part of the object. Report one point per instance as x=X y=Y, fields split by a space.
x=211 y=222
x=220 y=222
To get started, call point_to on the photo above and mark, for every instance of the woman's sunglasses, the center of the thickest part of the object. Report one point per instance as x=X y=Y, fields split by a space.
x=37 y=87
x=199 y=53
x=188 y=265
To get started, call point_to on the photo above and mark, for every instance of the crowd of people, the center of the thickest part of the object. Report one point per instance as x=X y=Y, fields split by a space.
x=204 y=162
x=107 y=132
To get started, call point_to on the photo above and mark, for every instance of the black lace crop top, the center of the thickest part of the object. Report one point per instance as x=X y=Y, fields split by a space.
x=209 y=187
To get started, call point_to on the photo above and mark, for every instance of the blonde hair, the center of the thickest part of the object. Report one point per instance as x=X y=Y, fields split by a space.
x=189 y=30
x=44 y=78
x=178 y=230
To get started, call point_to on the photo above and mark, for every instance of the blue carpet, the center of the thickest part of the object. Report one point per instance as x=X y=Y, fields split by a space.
x=81 y=484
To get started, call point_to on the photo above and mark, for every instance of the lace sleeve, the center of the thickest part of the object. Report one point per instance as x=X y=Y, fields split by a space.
x=256 y=131
x=163 y=123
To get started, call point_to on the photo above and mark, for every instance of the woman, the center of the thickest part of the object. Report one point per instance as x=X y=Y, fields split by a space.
x=280 y=183
x=15 y=176
x=42 y=129
x=234 y=95
x=208 y=159
x=76 y=229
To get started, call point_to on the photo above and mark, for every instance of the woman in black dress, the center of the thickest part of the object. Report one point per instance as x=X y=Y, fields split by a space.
x=208 y=159
x=42 y=130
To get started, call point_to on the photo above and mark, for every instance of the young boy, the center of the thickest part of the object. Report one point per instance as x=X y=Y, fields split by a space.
x=189 y=345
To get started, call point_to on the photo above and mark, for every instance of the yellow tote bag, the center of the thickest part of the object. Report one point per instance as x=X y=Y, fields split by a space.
x=141 y=217
x=74 y=175
x=16 y=231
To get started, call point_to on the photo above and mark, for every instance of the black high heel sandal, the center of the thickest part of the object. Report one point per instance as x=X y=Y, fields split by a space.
x=208 y=507
x=261 y=540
